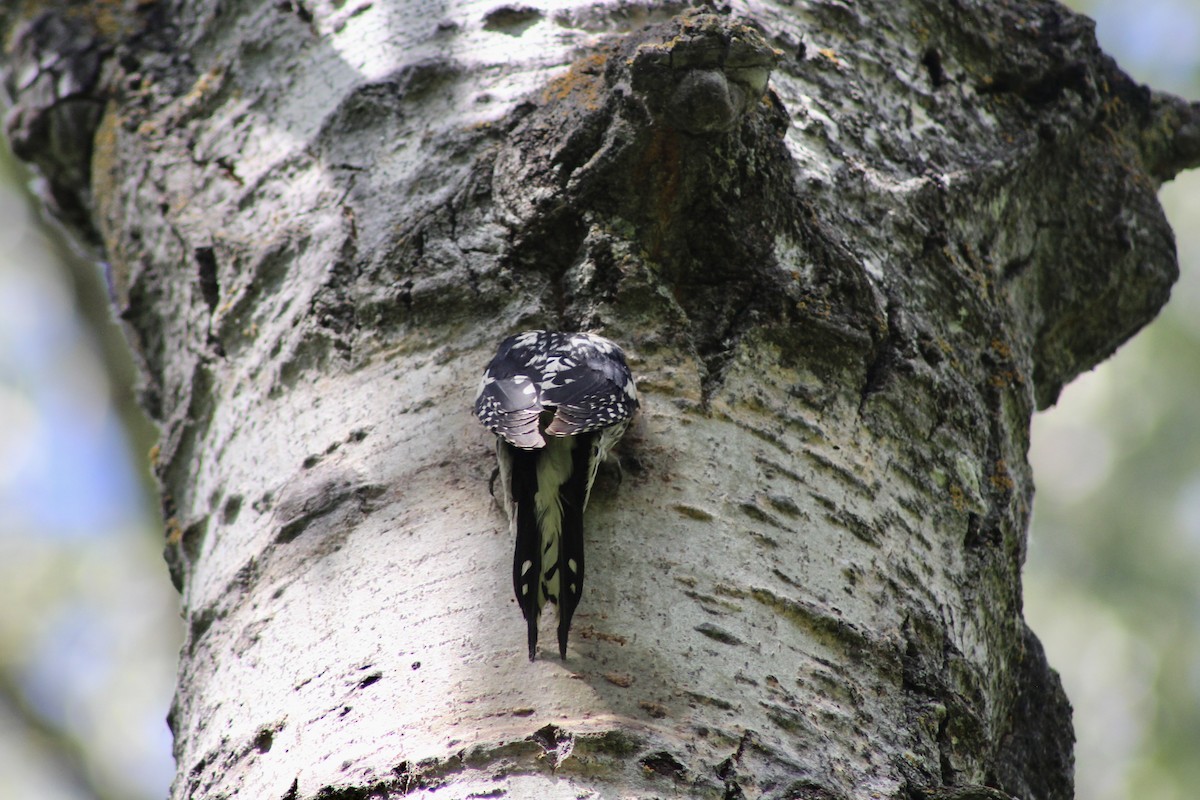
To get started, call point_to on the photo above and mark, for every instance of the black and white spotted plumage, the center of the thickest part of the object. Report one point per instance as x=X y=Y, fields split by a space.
x=557 y=403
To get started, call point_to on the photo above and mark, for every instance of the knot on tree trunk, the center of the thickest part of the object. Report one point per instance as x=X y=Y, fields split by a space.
x=54 y=84
x=708 y=74
x=650 y=186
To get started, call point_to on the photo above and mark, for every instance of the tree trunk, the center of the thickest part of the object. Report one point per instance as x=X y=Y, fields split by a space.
x=843 y=293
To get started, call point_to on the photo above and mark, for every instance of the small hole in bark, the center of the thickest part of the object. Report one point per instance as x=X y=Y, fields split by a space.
x=233 y=507
x=513 y=20
x=297 y=8
x=663 y=763
x=206 y=267
x=264 y=740
x=193 y=537
x=932 y=61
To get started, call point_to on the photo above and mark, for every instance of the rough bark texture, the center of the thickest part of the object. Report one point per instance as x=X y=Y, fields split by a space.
x=843 y=293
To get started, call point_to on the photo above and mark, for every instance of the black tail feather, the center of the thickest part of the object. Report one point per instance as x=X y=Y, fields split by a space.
x=570 y=550
x=528 y=545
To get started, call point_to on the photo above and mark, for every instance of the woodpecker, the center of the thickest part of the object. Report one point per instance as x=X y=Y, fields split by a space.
x=557 y=403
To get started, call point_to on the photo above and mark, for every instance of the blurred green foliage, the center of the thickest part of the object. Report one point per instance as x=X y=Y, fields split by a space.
x=1113 y=575
x=89 y=626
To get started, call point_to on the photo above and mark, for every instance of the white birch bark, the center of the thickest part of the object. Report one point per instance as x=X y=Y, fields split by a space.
x=843 y=296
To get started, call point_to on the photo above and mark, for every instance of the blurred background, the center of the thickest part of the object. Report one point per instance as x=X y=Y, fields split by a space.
x=89 y=622
x=89 y=625
x=1112 y=581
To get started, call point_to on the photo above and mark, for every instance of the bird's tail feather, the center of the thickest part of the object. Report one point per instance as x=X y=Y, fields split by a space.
x=570 y=550
x=527 y=555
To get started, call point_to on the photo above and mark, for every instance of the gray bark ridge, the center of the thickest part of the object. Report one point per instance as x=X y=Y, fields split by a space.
x=849 y=250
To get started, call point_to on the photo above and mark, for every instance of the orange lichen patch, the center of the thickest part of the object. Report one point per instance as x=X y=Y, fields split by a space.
x=656 y=710
x=831 y=55
x=1009 y=377
x=105 y=178
x=589 y=632
x=582 y=83
x=174 y=531
x=622 y=679
x=1000 y=478
x=958 y=498
x=816 y=307
x=1001 y=349
x=109 y=17
x=205 y=87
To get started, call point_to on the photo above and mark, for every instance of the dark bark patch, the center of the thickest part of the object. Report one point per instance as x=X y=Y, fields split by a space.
x=889 y=355
x=712 y=605
x=295 y=7
x=58 y=103
x=319 y=494
x=727 y=770
x=828 y=627
x=665 y=185
x=1036 y=749
x=263 y=740
x=1041 y=89
x=199 y=623
x=947 y=689
x=557 y=743
x=706 y=700
x=974 y=792
x=810 y=790
x=615 y=743
x=785 y=505
x=206 y=273
x=664 y=764
x=512 y=20
x=789 y=720
x=757 y=513
x=691 y=512
x=718 y=634
x=862 y=529
x=932 y=61
x=231 y=509
x=192 y=539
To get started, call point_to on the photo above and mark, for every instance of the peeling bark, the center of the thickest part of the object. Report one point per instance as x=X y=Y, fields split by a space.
x=848 y=249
